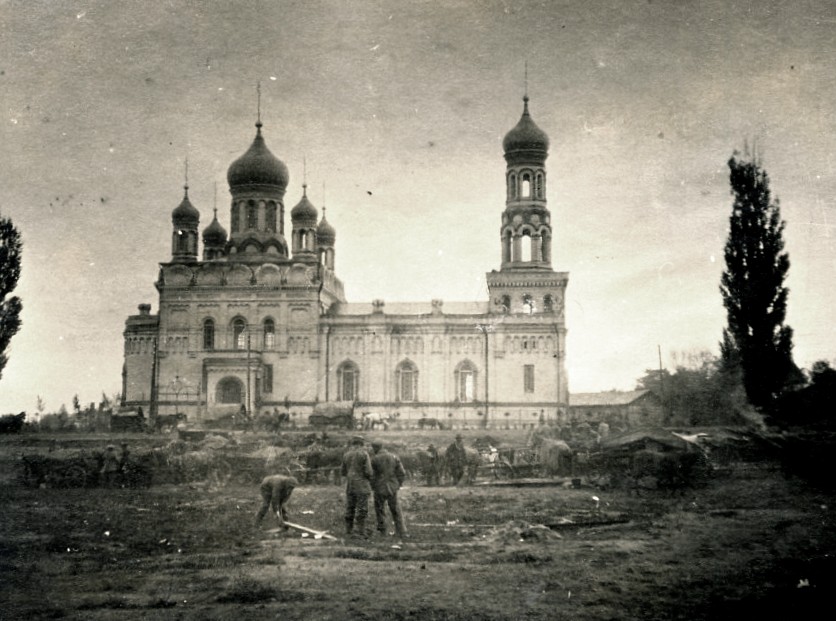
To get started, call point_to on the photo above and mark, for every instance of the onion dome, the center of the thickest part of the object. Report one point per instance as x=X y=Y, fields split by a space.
x=214 y=234
x=325 y=233
x=258 y=166
x=304 y=211
x=526 y=137
x=185 y=213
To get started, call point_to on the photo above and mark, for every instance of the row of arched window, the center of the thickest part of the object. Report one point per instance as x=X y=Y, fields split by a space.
x=529 y=304
x=529 y=344
x=406 y=382
x=526 y=246
x=139 y=345
x=526 y=184
x=249 y=215
x=241 y=338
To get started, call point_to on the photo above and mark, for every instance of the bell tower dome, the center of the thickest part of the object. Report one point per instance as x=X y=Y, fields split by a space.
x=185 y=220
x=526 y=222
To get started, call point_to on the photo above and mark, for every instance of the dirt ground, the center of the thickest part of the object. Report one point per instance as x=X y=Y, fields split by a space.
x=752 y=544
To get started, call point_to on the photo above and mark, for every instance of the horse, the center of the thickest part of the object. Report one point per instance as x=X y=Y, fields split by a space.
x=371 y=421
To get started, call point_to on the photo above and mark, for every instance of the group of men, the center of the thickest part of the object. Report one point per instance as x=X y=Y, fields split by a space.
x=379 y=475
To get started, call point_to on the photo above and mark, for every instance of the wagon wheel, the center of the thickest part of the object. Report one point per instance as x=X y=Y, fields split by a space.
x=73 y=476
x=504 y=470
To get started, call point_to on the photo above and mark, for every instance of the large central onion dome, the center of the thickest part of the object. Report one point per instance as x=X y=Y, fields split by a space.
x=258 y=166
x=526 y=138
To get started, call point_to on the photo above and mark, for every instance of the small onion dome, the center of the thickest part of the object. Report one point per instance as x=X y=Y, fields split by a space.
x=258 y=166
x=185 y=212
x=214 y=234
x=304 y=211
x=325 y=233
x=525 y=136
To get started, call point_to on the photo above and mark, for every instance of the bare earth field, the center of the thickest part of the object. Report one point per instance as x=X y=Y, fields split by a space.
x=751 y=544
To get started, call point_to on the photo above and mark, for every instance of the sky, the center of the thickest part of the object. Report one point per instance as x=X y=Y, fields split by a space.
x=394 y=113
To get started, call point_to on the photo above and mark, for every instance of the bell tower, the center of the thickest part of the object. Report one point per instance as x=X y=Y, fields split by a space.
x=526 y=282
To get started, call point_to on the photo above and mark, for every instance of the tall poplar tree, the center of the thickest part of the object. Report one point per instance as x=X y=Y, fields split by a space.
x=755 y=340
x=10 y=306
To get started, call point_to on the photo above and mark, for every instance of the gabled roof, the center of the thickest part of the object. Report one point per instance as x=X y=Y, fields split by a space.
x=612 y=397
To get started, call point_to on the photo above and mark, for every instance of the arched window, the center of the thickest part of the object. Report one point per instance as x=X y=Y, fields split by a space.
x=406 y=382
x=548 y=303
x=538 y=185
x=236 y=217
x=526 y=185
x=348 y=381
x=252 y=215
x=269 y=334
x=512 y=186
x=506 y=304
x=528 y=304
x=239 y=333
x=466 y=382
x=209 y=334
x=229 y=390
x=525 y=247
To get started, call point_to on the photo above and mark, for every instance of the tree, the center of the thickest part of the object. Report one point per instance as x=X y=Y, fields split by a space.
x=10 y=248
x=696 y=393
x=755 y=339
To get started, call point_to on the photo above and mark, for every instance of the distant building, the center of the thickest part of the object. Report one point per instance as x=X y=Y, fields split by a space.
x=637 y=408
x=260 y=322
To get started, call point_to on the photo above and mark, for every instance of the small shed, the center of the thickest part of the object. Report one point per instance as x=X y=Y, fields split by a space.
x=630 y=409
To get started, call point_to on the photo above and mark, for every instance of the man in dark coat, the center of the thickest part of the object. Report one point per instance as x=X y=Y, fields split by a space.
x=456 y=458
x=433 y=466
x=275 y=492
x=357 y=469
x=387 y=478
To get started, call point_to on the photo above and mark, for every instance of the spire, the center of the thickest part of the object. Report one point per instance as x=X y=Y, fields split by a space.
x=186 y=177
x=258 y=107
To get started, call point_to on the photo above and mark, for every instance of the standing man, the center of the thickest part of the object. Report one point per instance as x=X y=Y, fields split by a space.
x=387 y=478
x=110 y=466
x=456 y=458
x=433 y=466
x=357 y=469
x=275 y=492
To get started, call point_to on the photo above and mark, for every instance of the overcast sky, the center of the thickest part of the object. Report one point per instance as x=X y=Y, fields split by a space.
x=399 y=109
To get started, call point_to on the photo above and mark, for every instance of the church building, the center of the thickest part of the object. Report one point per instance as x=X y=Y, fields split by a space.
x=259 y=321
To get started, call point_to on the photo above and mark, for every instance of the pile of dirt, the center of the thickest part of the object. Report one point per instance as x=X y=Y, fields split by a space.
x=517 y=531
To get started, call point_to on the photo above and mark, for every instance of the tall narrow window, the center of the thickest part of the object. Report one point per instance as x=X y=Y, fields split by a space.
x=269 y=334
x=512 y=186
x=406 y=380
x=528 y=304
x=538 y=185
x=270 y=217
x=209 y=334
x=252 y=216
x=267 y=378
x=466 y=382
x=525 y=248
x=528 y=378
x=506 y=304
x=236 y=217
x=239 y=333
x=548 y=303
x=348 y=382
x=526 y=185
